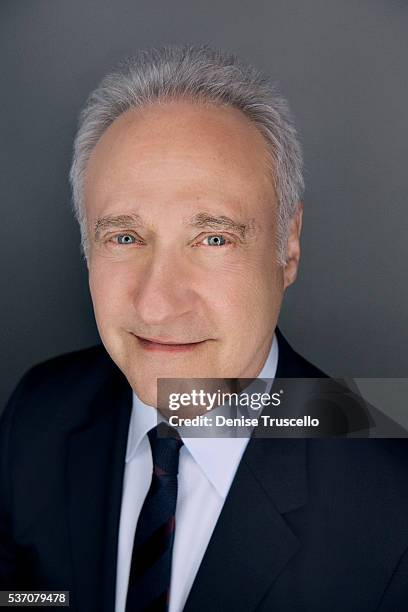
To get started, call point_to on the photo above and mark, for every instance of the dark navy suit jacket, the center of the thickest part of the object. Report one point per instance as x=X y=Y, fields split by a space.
x=311 y=525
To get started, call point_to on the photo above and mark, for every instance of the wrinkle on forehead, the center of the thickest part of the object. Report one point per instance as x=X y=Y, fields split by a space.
x=210 y=158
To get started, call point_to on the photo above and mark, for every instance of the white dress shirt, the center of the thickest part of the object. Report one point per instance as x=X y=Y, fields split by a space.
x=206 y=470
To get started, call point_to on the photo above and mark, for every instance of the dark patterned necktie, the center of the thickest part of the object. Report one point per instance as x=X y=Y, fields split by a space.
x=150 y=570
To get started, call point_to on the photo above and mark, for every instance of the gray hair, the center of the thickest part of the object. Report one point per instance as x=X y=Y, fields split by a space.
x=202 y=74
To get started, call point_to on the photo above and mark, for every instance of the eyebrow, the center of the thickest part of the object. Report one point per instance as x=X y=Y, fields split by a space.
x=114 y=221
x=204 y=220
x=201 y=220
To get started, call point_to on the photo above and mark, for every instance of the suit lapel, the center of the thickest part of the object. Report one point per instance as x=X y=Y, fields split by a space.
x=95 y=464
x=252 y=542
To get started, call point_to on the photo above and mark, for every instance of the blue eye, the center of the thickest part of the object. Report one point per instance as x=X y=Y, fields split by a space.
x=125 y=239
x=216 y=240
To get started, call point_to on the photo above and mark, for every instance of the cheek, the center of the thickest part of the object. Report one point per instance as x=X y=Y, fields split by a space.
x=259 y=281
x=109 y=290
x=248 y=299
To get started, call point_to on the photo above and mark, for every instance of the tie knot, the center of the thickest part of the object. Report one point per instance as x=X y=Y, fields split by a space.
x=165 y=443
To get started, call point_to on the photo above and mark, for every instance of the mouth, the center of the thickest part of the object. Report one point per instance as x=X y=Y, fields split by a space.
x=166 y=345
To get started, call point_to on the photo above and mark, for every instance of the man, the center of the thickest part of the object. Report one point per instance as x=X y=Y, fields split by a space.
x=187 y=186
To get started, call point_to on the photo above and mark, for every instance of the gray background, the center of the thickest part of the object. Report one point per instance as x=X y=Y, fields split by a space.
x=343 y=66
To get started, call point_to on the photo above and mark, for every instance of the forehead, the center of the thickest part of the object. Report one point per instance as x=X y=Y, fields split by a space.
x=179 y=152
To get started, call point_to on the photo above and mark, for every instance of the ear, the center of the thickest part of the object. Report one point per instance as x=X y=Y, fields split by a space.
x=293 y=247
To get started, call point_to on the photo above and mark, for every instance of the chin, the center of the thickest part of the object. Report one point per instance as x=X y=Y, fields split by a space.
x=146 y=395
x=144 y=387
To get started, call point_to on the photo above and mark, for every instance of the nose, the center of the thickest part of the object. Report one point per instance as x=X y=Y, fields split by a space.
x=164 y=292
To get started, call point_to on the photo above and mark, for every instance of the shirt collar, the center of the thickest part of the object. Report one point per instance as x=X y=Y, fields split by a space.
x=217 y=457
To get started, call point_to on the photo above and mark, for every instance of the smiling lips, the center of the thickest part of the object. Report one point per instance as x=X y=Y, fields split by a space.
x=157 y=344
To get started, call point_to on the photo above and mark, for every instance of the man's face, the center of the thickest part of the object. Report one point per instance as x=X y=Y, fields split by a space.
x=183 y=271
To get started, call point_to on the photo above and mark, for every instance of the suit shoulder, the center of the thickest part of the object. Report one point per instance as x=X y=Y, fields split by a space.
x=61 y=370
x=293 y=365
x=60 y=380
x=372 y=464
x=68 y=363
